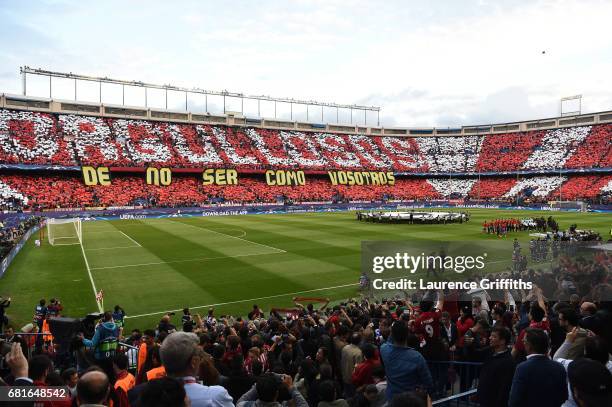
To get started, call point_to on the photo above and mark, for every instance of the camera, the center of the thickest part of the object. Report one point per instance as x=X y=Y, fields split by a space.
x=5 y=348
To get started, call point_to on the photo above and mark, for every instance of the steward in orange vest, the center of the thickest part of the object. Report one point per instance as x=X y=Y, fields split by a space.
x=125 y=381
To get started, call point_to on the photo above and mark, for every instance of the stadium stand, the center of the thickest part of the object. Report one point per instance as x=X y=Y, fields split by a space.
x=41 y=138
x=556 y=147
x=28 y=137
x=335 y=352
x=452 y=188
x=580 y=187
x=33 y=138
x=450 y=154
x=537 y=186
x=92 y=141
x=491 y=188
x=11 y=199
x=506 y=152
x=595 y=151
x=48 y=192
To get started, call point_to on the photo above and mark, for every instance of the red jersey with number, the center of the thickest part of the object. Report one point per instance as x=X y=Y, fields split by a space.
x=427 y=325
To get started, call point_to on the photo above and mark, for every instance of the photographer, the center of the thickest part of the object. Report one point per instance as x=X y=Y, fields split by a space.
x=187 y=320
x=105 y=342
x=40 y=313
x=118 y=316
x=55 y=308
x=272 y=390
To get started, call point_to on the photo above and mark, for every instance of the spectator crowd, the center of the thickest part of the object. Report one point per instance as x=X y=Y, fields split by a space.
x=549 y=346
x=18 y=192
x=33 y=138
x=72 y=140
x=11 y=234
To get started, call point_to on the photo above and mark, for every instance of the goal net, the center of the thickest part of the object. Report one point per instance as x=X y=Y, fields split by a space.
x=64 y=231
x=575 y=205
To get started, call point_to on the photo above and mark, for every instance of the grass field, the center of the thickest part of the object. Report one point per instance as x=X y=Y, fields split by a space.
x=154 y=265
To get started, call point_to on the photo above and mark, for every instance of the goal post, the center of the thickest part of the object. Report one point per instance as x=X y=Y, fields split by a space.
x=64 y=231
x=580 y=206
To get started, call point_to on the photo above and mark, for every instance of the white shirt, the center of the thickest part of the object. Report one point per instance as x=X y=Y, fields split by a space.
x=449 y=331
x=207 y=396
x=570 y=402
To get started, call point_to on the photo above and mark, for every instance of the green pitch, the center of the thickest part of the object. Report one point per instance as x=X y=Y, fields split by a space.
x=155 y=265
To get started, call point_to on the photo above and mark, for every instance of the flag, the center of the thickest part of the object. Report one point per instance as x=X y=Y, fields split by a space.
x=100 y=296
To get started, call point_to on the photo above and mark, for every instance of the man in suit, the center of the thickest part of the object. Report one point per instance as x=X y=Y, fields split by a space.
x=448 y=338
x=538 y=381
x=448 y=331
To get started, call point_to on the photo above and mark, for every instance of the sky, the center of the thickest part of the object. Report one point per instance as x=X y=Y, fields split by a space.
x=444 y=63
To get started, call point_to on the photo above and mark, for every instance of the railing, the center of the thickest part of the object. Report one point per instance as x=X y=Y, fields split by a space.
x=461 y=399
x=132 y=354
x=454 y=380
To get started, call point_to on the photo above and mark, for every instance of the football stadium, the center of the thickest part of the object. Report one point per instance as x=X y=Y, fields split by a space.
x=191 y=247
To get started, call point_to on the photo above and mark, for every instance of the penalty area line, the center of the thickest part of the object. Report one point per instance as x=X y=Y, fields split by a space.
x=137 y=244
x=233 y=237
x=247 y=300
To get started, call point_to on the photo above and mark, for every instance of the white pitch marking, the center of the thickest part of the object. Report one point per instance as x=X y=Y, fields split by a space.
x=256 y=299
x=93 y=285
x=249 y=300
x=226 y=235
x=138 y=244
x=109 y=248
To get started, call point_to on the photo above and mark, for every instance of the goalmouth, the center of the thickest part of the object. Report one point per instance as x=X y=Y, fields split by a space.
x=64 y=231
x=579 y=206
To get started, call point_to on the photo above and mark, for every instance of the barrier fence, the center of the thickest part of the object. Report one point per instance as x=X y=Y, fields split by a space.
x=461 y=399
x=132 y=354
x=454 y=381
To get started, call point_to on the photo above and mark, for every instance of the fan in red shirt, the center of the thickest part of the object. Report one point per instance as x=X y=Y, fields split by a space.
x=537 y=319
x=362 y=375
x=39 y=367
x=464 y=323
x=427 y=325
